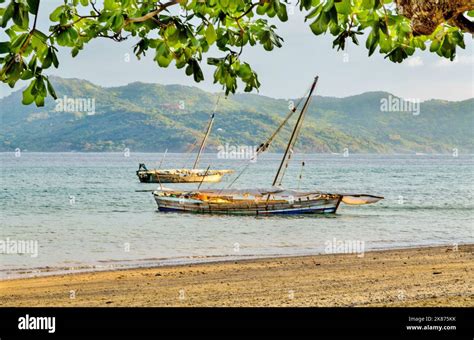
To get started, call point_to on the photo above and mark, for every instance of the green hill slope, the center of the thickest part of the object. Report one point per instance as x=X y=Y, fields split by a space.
x=153 y=117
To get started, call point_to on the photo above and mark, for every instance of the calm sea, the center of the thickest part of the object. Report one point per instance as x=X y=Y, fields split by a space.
x=84 y=212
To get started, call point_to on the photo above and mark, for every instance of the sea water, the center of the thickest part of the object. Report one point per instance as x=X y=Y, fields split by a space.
x=88 y=211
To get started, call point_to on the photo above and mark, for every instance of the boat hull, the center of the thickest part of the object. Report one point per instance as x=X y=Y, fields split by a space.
x=153 y=176
x=313 y=206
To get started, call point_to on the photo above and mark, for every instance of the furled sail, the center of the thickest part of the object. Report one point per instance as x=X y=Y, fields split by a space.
x=357 y=199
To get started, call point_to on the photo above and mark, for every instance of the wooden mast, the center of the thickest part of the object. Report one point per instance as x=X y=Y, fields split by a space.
x=294 y=135
x=204 y=141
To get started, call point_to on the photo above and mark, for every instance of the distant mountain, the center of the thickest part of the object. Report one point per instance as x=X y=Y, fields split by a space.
x=152 y=117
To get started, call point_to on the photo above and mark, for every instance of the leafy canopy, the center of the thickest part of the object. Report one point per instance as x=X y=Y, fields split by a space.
x=182 y=31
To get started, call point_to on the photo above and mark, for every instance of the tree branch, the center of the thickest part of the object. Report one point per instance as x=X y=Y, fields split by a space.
x=248 y=10
x=151 y=14
x=36 y=16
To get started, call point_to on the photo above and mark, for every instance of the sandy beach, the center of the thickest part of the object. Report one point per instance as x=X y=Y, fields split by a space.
x=432 y=276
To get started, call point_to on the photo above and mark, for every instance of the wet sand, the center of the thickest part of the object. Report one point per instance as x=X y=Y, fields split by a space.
x=432 y=276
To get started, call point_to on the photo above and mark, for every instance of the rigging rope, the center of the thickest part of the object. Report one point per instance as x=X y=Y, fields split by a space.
x=264 y=146
x=297 y=132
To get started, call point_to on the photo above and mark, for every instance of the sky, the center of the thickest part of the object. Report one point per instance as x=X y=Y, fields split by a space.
x=285 y=72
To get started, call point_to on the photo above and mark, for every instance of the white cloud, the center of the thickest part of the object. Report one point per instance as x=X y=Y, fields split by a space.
x=415 y=61
x=462 y=60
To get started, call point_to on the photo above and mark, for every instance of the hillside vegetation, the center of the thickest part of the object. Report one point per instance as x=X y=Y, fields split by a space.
x=153 y=117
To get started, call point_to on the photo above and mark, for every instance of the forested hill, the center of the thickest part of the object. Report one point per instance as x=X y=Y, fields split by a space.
x=153 y=117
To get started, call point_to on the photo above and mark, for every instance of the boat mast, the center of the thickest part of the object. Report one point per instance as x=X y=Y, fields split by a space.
x=294 y=136
x=204 y=141
x=161 y=162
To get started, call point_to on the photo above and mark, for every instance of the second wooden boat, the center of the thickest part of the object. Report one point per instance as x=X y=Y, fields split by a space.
x=180 y=175
x=193 y=175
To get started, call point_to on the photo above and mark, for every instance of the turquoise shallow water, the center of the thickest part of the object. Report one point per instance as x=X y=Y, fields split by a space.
x=83 y=210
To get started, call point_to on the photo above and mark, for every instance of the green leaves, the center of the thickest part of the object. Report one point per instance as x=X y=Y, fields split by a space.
x=211 y=34
x=223 y=3
x=18 y=42
x=56 y=14
x=110 y=4
x=266 y=35
x=458 y=39
x=4 y=47
x=386 y=28
x=33 y=6
x=367 y=4
x=8 y=14
x=20 y=15
x=28 y=97
x=51 y=89
x=188 y=31
x=49 y=58
x=194 y=69
x=372 y=41
x=163 y=56
x=320 y=25
x=67 y=37
x=249 y=77
x=116 y=22
x=228 y=69
x=398 y=54
x=280 y=10
x=344 y=7
x=444 y=43
x=36 y=91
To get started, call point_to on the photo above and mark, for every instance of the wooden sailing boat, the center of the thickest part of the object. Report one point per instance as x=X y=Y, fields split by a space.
x=193 y=175
x=275 y=200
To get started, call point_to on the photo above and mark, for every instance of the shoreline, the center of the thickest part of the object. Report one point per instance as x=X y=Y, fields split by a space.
x=418 y=276
x=36 y=273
